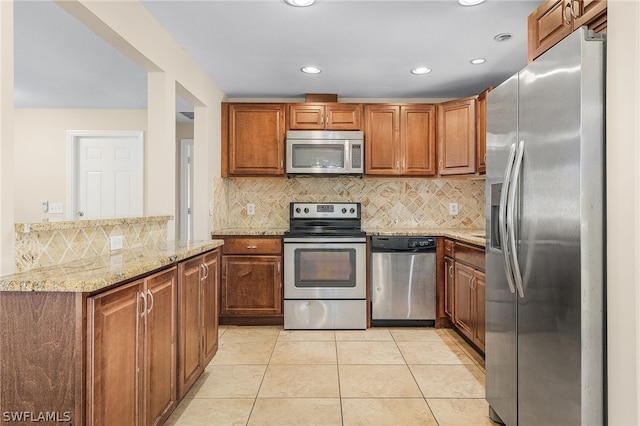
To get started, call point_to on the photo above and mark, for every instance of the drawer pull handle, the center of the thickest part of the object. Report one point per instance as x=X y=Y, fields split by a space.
x=152 y=301
x=252 y=247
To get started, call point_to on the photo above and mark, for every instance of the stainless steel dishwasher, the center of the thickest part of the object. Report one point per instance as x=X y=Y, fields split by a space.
x=403 y=281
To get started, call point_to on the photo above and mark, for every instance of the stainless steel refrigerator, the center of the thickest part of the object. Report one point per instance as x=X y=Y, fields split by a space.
x=545 y=284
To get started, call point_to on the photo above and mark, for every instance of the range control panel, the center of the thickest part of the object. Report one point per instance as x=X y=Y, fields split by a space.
x=325 y=210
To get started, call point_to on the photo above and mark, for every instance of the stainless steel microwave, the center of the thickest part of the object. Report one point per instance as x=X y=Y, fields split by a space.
x=319 y=152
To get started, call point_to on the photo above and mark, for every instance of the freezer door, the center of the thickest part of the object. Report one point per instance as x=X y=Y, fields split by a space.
x=560 y=318
x=500 y=300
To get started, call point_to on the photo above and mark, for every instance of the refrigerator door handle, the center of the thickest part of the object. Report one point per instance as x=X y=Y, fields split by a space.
x=511 y=219
x=502 y=219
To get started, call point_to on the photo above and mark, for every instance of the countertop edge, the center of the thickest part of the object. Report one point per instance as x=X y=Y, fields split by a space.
x=470 y=236
x=100 y=272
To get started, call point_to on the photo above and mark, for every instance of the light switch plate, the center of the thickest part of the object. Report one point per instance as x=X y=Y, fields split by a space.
x=55 y=207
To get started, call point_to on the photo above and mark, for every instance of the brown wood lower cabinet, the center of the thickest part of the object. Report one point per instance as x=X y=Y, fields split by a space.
x=198 y=285
x=109 y=357
x=131 y=377
x=465 y=290
x=251 y=281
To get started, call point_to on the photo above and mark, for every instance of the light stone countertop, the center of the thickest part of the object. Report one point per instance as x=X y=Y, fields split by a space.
x=275 y=232
x=95 y=273
x=471 y=236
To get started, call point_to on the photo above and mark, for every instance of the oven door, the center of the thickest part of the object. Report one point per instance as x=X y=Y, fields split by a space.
x=319 y=269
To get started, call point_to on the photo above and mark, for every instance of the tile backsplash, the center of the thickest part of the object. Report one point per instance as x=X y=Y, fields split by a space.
x=386 y=202
x=52 y=243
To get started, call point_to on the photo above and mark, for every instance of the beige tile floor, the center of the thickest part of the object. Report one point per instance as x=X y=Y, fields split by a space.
x=379 y=376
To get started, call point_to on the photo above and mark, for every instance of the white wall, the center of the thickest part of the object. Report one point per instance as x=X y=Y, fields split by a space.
x=6 y=138
x=623 y=211
x=40 y=153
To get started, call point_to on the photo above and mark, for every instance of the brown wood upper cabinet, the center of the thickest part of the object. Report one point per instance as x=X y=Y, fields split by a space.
x=325 y=116
x=553 y=20
x=400 y=139
x=457 y=137
x=481 y=129
x=131 y=375
x=253 y=139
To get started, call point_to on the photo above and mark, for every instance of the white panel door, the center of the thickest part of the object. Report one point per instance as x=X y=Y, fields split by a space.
x=108 y=175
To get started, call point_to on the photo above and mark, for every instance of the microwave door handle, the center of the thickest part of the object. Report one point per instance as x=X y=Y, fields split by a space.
x=347 y=156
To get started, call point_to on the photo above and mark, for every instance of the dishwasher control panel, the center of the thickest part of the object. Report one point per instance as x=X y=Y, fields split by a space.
x=404 y=243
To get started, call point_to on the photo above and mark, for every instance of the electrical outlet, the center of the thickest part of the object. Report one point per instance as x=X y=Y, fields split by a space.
x=453 y=209
x=55 y=207
x=251 y=209
x=116 y=242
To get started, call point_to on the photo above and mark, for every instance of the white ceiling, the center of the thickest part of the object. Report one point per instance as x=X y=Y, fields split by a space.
x=255 y=49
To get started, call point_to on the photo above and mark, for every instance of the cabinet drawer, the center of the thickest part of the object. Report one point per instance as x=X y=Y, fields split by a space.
x=469 y=254
x=449 y=248
x=252 y=246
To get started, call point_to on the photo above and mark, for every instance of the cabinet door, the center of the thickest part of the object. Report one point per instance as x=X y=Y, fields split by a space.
x=210 y=289
x=190 y=324
x=343 y=116
x=330 y=116
x=478 y=303
x=449 y=288
x=306 y=117
x=382 y=139
x=255 y=135
x=160 y=366
x=457 y=137
x=418 y=140
x=547 y=25
x=463 y=312
x=251 y=285
x=116 y=357
x=592 y=13
x=481 y=137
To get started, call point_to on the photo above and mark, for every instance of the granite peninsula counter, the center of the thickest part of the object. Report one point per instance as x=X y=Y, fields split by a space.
x=104 y=331
x=96 y=273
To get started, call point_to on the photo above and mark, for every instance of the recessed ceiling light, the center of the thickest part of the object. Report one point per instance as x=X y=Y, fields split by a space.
x=470 y=2
x=503 y=37
x=300 y=3
x=310 y=70
x=421 y=70
x=478 y=61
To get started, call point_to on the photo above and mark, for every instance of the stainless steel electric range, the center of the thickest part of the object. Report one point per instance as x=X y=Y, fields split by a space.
x=325 y=267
